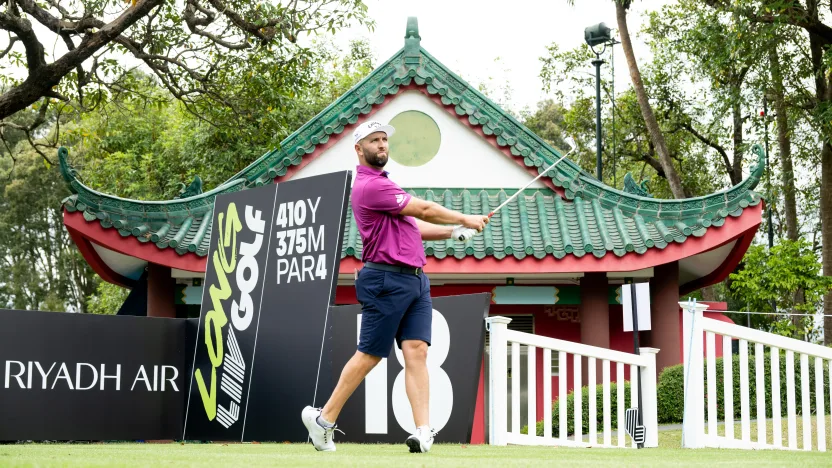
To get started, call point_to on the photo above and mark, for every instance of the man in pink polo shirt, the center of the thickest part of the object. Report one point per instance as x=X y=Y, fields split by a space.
x=393 y=290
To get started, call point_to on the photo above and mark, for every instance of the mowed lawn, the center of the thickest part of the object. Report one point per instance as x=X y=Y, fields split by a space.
x=442 y=455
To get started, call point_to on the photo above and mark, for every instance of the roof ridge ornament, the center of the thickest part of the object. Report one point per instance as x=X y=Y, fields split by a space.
x=631 y=186
x=412 y=39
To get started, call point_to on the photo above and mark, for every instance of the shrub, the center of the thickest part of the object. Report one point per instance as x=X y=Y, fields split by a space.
x=671 y=388
x=599 y=409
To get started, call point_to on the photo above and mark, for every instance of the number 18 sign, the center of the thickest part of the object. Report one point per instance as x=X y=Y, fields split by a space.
x=379 y=410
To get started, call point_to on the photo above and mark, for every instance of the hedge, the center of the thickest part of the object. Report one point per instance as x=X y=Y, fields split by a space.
x=599 y=410
x=671 y=394
x=671 y=388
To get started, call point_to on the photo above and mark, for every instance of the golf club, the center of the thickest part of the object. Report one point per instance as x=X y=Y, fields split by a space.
x=571 y=142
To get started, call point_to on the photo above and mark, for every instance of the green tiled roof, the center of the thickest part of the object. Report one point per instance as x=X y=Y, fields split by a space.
x=589 y=217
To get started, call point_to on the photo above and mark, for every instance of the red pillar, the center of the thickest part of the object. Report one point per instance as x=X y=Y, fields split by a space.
x=664 y=315
x=160 y=290
x=595 y=316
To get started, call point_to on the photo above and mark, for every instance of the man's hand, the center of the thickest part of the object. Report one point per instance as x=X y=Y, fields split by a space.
x=476 y=222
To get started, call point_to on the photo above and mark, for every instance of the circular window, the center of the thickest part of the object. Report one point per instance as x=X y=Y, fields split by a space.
x=416 y=140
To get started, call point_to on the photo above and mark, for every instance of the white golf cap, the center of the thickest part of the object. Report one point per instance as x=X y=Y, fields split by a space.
x=369 y=127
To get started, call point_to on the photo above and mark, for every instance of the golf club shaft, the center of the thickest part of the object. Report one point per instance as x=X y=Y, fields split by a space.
x=530 y=183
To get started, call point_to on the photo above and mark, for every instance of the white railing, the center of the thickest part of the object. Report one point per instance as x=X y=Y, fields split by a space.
x=694 y=434
x=499 y=434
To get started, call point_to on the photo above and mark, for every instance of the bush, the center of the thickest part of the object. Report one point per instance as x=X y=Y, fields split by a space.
x=671 y=388
x=599 y=409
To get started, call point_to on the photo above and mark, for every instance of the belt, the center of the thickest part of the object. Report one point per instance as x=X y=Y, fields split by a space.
x=394 y=268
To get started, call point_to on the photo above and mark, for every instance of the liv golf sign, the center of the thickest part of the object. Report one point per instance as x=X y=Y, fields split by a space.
x=271 y=272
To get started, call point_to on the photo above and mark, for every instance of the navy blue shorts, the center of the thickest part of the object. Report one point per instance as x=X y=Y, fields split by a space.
x=393 y=306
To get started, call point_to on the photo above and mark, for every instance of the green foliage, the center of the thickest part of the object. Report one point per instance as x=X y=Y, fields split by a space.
x=599 y=406
x=671 y=393
x=223 y=61
x=549 y=122
x=142 y=145
x=772 y=277
x=147 y=148
x=627 y=146
x=107 y=299
x=39 y=266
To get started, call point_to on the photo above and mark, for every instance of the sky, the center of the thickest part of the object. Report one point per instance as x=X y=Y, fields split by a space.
x=500 y=40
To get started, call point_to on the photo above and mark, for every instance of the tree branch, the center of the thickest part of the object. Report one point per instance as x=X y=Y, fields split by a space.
x=23 y=29
x=12 y=40
x=708 y=142
x=43 y=78
x=265 y=32
x=795 y=15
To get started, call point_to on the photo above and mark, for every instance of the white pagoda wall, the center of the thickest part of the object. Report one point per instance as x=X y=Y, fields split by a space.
x=464 y=159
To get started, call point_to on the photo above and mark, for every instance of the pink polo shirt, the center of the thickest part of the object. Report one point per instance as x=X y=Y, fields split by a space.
x=387 y=237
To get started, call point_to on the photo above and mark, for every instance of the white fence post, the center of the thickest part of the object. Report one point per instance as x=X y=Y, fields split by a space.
x=693 y=425
x=649 y=410
x=498 y=379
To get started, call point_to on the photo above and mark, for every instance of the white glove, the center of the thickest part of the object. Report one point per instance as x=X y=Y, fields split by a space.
x=462 y=233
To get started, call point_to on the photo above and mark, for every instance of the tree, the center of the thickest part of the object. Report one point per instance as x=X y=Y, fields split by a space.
x=627 y=143
x=769 y=278
x=198 y=50
x=140 y=148
x=656 y=136
x=40 y=268
x=549 y=123
x=807 y=16
x=722 y=53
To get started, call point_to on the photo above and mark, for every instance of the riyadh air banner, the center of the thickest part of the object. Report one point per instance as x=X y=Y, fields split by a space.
x=270 y=278
x=91 y=377
x=379 y=410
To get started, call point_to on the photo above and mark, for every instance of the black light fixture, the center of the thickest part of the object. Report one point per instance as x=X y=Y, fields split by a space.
x=599 y=34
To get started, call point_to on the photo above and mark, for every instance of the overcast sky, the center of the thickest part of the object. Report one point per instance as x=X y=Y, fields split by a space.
x=468 y=36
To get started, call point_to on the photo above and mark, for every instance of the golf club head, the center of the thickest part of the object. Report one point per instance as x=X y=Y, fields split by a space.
x=572 y=145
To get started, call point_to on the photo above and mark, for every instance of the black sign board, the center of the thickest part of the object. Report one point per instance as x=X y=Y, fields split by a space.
x=271 y=273
x=90 y=377
x=379 y=410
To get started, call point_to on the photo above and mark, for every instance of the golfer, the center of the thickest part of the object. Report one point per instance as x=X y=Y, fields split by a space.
x=393 y=290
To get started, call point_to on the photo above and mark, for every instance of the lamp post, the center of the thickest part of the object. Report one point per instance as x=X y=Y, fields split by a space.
x=596 y=35
x=764 y=115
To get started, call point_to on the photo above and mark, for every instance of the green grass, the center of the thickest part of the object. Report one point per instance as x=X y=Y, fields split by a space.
x=784 y=431
x=442 y=455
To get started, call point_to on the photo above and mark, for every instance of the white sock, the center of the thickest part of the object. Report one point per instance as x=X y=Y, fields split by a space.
x=324 y=423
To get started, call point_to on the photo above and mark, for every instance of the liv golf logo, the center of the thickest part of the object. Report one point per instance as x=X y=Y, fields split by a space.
x=244 y=273
x=230 y=315
x=269 y=281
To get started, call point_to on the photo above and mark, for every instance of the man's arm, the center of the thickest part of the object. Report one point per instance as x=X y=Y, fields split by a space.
x=431 y=232
x=438 y=214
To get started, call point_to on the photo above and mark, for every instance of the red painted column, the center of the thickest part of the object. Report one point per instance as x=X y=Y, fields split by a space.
x=664 y=315
x=595 y=317
x=160 y=290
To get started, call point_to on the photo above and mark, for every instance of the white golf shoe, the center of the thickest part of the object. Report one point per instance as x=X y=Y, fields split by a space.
x=322 y=437
x=421 y=441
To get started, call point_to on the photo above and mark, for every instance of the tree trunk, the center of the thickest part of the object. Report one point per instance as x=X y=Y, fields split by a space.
x=736 y=166
x=646 y=111
x=822 y=90
x=826 y=234
x=784 y=144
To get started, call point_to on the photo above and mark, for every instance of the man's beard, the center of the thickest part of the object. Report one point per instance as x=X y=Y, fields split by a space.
x=374 y=159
